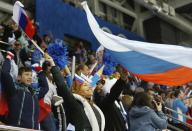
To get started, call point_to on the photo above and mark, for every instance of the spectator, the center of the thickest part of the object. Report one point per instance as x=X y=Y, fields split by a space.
x=46 y=118
x=22 y=99
x=79 y=105
x=180 y=107
x=112 y=107
x=47 y=39
x=20 y=54
x=142 y=117
x=82 y=68
x=80 y=53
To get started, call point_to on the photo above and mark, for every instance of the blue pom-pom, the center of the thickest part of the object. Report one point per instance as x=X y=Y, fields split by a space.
x=109 y=63
x=58 y=51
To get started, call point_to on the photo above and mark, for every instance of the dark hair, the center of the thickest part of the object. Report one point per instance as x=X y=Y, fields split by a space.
x=101 y=81
x=142 y=99
x=24 y=69
x=17 y=34
x=45 y=35
x=45 y=66
x=177 y=92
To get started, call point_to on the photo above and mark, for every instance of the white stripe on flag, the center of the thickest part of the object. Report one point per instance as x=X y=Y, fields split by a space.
x=16 y=11
x=171 y=53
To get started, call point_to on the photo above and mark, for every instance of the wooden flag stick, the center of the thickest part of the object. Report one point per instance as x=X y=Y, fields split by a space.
x=35 y=44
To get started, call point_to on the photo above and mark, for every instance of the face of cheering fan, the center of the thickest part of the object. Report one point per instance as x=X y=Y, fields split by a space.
x=25 y=78
x=25 y=75
x=85 y=90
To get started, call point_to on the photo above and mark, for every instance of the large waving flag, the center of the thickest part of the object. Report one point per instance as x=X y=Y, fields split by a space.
x=20 y=17
x=159 y=63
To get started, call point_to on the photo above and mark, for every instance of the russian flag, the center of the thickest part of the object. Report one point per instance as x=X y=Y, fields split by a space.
x=159 y=63
x=20 y=17
x=79 y=79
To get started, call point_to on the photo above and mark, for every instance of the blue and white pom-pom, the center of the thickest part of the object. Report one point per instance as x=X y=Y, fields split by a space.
x=58 y=51
x=110 y=64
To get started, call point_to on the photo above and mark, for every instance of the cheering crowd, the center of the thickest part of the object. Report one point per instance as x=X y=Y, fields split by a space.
x=39 y=91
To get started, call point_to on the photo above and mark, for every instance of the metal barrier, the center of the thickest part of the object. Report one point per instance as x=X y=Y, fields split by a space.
x=173 y=127
x=186 y=124
x=178 y=113
x=12 y=128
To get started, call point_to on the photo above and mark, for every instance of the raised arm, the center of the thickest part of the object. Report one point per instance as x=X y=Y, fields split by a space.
x=114 y=93
x=43 y=84
x=62 y=89
x=6 y=79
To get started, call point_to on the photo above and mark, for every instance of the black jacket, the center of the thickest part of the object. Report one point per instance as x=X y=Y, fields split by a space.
x=114 y=120
x=22 y=100
x=74 y=110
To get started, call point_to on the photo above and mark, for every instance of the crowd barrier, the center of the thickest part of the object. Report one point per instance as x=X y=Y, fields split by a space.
x=186 y=124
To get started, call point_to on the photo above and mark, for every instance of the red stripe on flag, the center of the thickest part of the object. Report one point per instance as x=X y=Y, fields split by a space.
x=174 y=77
x=29 y=29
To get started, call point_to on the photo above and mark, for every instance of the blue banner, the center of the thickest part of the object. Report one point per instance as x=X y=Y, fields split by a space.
x=63 y=19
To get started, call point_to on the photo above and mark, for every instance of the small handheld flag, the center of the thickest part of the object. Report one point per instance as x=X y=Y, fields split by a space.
x=97 y=76
x=20 y=17
x=22 y=20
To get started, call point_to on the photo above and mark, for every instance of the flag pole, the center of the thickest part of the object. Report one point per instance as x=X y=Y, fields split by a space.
x=93 y=67
x=34 y=43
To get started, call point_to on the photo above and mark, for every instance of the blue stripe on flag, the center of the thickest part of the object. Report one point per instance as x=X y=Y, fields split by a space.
x=139 y=63
x=22 y=21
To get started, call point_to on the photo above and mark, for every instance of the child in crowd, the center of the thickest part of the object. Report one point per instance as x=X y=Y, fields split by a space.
x=21 y=97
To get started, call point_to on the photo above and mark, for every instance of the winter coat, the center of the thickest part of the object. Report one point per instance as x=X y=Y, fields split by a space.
x=75 y=109
x=115 y=120
x=146 y=119
x=22 y=100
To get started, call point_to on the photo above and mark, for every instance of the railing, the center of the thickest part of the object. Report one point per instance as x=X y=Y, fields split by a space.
x=186 y=124
x=188 y=117
x=11 y=128
x=173 y=127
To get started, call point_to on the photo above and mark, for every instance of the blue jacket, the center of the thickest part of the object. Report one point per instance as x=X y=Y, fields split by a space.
x=22 y=100
x=146 y=119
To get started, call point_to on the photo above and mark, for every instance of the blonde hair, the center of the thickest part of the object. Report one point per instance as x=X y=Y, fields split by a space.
x=76 y=87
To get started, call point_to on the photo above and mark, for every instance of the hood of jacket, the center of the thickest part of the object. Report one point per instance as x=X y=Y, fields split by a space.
x=139 y=111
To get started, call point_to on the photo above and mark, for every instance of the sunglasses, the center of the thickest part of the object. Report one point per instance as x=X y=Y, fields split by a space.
x=17 y=44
